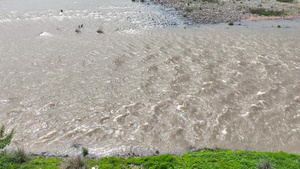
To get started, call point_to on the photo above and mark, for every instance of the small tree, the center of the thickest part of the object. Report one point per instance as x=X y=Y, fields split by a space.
x=5 y=140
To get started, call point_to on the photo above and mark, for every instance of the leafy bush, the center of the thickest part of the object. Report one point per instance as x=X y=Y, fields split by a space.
x=85 y=151
x=5 y=140
x=18 y=156
x=230 y=24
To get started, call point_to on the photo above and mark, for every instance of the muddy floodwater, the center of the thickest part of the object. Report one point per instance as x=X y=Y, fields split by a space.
x=149 y=82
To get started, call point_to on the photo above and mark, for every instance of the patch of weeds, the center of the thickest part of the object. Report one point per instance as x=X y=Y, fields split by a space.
x=5 y=139
x=85 y=151
x=157 y=152
x=74 y=163
x=189 y=9
x=230 y=24
x=286 y=1
x=42 y=162
x=265 y=12
x=278 y=26
x=210 y=1
x=265 y=164
x=184 y=15
x=18 y=156
x=203 y=158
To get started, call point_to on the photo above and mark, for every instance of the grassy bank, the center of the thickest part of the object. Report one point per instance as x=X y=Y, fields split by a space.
x=203 y=158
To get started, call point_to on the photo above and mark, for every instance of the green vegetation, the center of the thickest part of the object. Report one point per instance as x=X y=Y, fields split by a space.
x=210 y=1
x=230 y=24
x=265 y=12
x=287 y=1
x=85 y=151
x=5 y=140
x=18 y=156
x=8 y=161
x=189 y=9
x=74 y=163
x=202 y=158
x=278 y=26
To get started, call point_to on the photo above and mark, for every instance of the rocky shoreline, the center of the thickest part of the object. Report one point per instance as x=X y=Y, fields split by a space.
x=223 y=11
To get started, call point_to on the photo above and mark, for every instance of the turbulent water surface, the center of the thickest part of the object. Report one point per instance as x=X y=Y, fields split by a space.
x=147 y=83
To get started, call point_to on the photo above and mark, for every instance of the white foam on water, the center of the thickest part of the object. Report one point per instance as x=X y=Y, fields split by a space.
x=45 y=34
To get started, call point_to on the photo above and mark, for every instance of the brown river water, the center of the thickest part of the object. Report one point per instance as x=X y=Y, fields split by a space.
x=149 y=82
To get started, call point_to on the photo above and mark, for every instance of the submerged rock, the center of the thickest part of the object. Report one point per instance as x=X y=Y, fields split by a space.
x=99 y=30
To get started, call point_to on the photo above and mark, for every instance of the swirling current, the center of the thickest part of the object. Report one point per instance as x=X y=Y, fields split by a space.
x=149 y=82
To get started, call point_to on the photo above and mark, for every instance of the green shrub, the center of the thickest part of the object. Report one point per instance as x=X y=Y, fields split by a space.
x=5 y=140
x=230 y=24
x=287 y=1
x=18 y=156
x=85 y=151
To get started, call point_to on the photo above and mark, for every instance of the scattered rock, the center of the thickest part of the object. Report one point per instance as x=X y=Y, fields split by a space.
x=99 y=30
